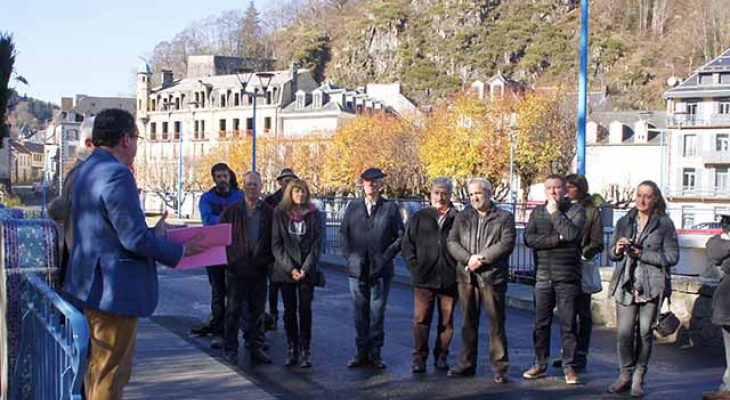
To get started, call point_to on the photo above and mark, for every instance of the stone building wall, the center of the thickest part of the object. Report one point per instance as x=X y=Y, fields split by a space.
x=691 y=303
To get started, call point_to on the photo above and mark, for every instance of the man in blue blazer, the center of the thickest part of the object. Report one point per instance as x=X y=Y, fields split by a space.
x=112 y=273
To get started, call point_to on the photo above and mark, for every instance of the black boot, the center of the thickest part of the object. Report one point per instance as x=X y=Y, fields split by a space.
x=622 y=384
x=292 y=354
x=305 y=362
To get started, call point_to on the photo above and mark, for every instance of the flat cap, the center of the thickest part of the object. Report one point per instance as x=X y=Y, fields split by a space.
x=372 y=173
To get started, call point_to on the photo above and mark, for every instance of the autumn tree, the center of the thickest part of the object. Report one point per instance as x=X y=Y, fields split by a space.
x=466 y=138
x=544 y=137
x=378 y=140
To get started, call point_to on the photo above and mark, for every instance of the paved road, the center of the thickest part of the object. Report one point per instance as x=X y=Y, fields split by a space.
x=674 y=373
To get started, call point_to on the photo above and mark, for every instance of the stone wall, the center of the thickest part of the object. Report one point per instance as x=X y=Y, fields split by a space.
x=691 y=303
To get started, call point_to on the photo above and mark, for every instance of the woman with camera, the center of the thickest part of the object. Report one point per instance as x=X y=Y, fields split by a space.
x=296 y=243
x=645 y=247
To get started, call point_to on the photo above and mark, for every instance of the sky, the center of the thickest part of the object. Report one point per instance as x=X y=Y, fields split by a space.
x=69 y=47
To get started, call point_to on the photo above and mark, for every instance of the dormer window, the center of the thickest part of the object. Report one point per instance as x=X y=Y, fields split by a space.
x=301 y=100
x=705 y=79
x=317 y=99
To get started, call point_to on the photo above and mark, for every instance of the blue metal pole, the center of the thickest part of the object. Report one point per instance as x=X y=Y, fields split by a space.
x=582 y=89
x=180 y=176
x=512 y=172
x=45 y=172
x=253 y=147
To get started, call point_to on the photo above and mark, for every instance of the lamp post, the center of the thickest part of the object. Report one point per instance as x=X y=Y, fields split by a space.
x=513 y=128
x=192 y=105
x=582 y=90
x=264 y=81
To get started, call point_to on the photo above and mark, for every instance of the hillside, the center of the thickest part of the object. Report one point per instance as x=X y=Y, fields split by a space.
x=435 y=47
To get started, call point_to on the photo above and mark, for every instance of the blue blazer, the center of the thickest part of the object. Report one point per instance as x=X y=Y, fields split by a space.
x=112 y=266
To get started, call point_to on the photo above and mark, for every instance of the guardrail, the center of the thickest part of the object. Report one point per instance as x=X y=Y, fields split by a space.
x=522 y=262
x=54 y=345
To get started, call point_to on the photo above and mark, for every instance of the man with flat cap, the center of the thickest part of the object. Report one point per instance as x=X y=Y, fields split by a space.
x=285 y=176
x=371 y=238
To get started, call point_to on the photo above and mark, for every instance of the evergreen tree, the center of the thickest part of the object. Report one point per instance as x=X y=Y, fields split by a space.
x=250 y=41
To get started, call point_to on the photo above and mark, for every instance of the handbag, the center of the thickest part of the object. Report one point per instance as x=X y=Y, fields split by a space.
x=667 y=323
x=591 y=277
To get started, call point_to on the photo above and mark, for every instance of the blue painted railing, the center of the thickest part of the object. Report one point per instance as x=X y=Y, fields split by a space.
x=54 y=346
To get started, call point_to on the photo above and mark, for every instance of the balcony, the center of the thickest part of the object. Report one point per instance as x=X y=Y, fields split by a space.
x=716 y=157
x=698 y=121
x=712 y=192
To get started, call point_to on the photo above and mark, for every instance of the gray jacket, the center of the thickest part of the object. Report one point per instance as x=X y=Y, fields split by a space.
x=495 y=244
x=659 y=252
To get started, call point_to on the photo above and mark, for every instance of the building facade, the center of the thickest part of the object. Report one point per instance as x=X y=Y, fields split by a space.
x=698 y=123
x=623 y=149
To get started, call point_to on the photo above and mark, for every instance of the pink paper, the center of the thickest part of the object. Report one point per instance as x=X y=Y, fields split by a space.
x=216 y=238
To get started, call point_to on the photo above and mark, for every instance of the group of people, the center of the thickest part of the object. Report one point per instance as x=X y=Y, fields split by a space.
x=451 y=254
x=465 y=255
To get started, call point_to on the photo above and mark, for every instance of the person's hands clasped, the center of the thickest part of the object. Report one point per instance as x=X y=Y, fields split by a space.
x=475 y=262
x=193 y=246
x=297 y=275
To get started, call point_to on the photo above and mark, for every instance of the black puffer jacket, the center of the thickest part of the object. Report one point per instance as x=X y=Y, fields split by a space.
x=495 y=244
x=424 y=249
x=556 y=239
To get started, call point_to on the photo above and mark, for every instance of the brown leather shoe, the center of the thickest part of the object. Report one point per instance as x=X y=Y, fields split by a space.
x=571 y=378
x=500 y=377
x=536 y=372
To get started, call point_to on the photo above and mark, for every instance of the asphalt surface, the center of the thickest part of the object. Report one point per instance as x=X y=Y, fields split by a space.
x=675 y=373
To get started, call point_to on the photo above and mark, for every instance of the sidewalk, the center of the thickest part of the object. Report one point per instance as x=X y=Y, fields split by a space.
x=168 y=367
x=518 y=296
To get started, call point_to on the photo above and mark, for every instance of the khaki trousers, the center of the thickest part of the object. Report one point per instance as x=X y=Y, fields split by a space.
x=112 y=341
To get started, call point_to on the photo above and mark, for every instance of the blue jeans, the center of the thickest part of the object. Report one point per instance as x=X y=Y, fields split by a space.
x=369 y=298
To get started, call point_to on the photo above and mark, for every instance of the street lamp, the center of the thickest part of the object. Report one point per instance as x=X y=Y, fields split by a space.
x=513 y=128
x=264 y=82
x=582 y=90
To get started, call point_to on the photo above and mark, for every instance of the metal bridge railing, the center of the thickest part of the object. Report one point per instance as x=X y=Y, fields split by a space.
x=52 y=359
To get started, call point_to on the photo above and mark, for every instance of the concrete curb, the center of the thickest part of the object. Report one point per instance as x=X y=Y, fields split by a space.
x=519 y=296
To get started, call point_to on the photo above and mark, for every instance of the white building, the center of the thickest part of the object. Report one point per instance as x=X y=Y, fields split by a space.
x=623 y=149
x=698 y=181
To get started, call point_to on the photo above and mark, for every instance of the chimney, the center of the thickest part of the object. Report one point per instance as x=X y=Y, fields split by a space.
x=67 y=103
x=166 y=78
x=591 y=132
x=294 y=79
x=617 y=132
x=641 y=131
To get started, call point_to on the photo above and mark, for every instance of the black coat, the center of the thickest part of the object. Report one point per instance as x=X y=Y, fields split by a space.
x=495 y=245
x=244 y=260
x=296 y=251
x=556 y=239
x=371 y=242
x=424 y=250
x=718 y=251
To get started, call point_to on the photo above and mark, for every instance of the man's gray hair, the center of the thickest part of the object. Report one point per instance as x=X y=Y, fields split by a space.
x=85 y=132
x=254 y=173
x=486 y=185
x=444 y=183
